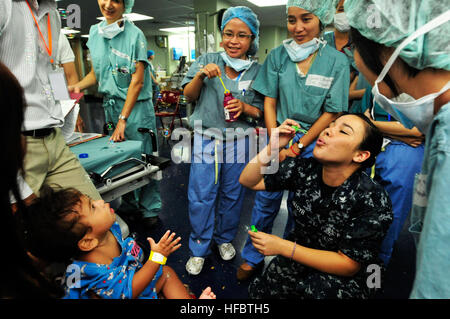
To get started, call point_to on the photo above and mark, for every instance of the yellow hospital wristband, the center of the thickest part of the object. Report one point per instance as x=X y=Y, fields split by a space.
x=157 y=258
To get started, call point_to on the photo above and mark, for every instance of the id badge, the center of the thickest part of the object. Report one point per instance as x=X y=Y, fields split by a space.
x=57 y=80
x=244 y=85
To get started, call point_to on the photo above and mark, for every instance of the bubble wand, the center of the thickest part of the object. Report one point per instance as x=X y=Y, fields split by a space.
x=226 y=90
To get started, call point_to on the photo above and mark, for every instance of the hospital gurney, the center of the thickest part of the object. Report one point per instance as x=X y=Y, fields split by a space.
x=119 y=168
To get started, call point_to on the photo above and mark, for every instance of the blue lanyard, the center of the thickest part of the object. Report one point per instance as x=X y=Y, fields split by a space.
x=239 y=76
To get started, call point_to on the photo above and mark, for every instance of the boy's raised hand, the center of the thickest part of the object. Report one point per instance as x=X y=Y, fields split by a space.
x=166 y=244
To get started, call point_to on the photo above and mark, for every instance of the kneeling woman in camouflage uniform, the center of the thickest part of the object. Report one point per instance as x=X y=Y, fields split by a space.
x=341 y=215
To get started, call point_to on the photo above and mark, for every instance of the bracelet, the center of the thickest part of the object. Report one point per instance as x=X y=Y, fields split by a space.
x=157 y=258
x=292 y=149
x=293 y=251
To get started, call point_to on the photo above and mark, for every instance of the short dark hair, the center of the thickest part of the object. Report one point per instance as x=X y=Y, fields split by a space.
x=371 y=51
x=372 y=140
x=52 y=225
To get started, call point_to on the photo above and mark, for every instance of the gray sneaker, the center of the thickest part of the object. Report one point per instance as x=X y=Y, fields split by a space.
x=195 y=265
x=227 y=251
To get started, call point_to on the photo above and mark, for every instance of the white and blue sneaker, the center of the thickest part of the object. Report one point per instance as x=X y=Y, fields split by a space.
x=195 y=265
x=227 y=251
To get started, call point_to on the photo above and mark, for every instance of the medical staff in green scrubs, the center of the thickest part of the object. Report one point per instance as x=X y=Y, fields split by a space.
x=402 y=47
x=218 y=158
x=340 y=40
x=119 y=58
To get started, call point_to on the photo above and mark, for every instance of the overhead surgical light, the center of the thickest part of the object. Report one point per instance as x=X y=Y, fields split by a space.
x=268 y=3
x=178 y=29
x=133 y=17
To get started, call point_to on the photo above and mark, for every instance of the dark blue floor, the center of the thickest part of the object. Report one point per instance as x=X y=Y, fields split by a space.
x=221 y=275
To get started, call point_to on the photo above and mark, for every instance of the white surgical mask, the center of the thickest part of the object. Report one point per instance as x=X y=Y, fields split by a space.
x=299 y=52
x=341 y=22
x=109 y=31
x=418 y=113
x=236 y=64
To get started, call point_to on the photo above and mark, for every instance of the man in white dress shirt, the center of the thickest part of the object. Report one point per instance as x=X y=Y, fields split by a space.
x=30 y=53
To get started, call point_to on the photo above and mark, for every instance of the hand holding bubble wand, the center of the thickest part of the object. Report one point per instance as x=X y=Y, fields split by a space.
x=229 y=116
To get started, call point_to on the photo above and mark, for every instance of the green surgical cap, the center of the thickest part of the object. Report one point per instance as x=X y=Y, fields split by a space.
x=390 y=22
x=128 y=5
x=323 y=9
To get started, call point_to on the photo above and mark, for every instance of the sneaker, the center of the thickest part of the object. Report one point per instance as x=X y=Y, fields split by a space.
x=227 y=251
x=195 y=265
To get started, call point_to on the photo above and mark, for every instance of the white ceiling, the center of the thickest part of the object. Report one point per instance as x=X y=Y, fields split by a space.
x=170 y=13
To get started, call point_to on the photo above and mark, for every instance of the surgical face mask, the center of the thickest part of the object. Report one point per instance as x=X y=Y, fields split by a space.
x=418 y=113
x=341 y=22
x=109 y=31
x=236 y=64
x=299 y=52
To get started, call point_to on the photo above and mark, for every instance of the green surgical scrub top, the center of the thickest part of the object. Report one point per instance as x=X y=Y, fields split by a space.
x=305 y=98
x=115 y=59
x=430 y=213
x=209 y=106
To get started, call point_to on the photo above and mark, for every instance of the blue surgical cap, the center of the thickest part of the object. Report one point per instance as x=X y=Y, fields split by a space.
x=247 y=16
x=150 y=53
x=390 y=22
x=128 y=5
x=322 y=9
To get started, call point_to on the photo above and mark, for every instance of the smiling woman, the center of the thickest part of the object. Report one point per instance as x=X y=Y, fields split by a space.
x=112 y=10
x=341 y=216
x=205 y=82
x=119 y=65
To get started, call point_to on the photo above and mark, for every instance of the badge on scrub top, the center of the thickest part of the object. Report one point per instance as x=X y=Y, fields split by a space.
x=319 y=81
x=244 y=85
x=58 y=83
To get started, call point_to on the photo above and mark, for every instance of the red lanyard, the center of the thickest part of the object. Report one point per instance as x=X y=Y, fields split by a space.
x=49 y=28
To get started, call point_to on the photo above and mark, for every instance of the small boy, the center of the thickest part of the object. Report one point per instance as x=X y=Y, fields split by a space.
x=65 y=225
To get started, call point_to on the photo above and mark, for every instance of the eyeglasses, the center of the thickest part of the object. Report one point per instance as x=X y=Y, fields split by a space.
x=240 y=36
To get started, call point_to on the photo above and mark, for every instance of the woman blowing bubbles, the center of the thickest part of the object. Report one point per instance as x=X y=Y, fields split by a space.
x=304 y=80
x=341 y=216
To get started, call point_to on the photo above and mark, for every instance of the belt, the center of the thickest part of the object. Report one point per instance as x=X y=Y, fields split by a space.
x=43 y=132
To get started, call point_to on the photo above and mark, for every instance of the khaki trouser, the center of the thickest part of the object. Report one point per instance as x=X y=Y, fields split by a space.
x=49 y=161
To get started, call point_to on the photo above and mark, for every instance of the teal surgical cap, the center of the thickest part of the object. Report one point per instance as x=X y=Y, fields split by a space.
x=247 y=16
x=150 y=53
x=322 y=9
x=390 y=22
x=128 y=5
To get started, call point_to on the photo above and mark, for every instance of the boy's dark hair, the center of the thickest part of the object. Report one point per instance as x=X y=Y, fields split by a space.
x=51 y=225
x=371 y=53
x=372 y=140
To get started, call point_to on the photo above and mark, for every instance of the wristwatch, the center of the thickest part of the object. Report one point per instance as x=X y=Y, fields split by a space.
x=121 y=117
x=300 y=146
